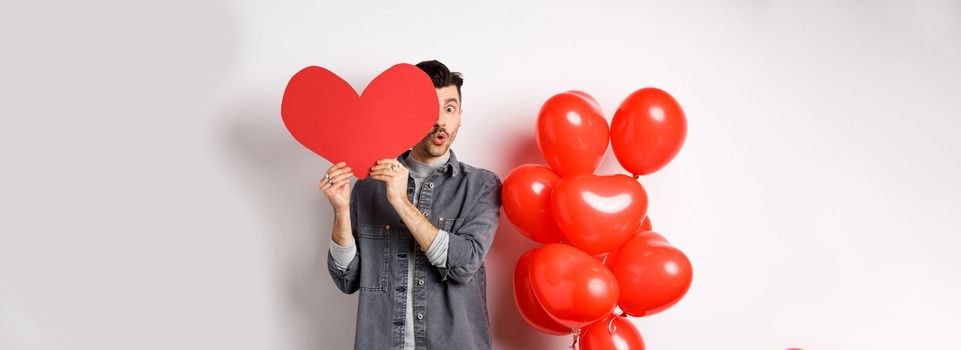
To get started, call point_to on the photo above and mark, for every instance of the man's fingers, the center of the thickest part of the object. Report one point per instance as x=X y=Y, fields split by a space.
x=386 y=172
x=337 y=172
x=331 y=189
x=335 y=167
x=336 y=180
x=340 y=185
x=345 y=176
x=380 y=167
x=385 y=165
x=387 y=161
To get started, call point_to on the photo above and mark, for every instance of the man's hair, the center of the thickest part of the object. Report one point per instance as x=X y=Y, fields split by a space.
x=441 y=76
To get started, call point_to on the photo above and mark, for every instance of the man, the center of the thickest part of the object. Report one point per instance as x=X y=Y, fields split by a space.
x=413 y=236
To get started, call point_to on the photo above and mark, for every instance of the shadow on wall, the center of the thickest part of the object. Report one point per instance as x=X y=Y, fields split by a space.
x=508 y=328
x=279 y=177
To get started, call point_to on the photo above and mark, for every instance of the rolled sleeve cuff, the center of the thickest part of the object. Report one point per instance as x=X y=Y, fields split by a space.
x=343 y=255
x=459 y=254
x=437 y=252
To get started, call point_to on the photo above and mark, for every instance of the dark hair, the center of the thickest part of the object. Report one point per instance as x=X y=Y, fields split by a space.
x=441 y=76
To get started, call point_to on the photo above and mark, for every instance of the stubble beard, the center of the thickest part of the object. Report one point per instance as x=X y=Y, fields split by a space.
x=427 y=145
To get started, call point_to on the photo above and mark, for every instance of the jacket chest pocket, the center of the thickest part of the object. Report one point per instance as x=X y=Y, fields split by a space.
x=451 y=225
x=374 y=248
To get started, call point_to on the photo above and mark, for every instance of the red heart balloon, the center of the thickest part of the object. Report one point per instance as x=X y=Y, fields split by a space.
x=611 y=333
x=646 y=225
x=598 y=213
x=531 y=309
x=527 y=202
x=572 y=133
x=327 y=116
x=653 y=274
x=647 y=131
x=573 y=287
x=610 y=259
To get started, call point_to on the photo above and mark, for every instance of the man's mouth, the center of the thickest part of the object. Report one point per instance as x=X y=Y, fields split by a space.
x=439 y=138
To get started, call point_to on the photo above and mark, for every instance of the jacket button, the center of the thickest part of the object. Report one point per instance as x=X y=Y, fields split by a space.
x=420 y=316
x=387 y=227
x=420 y=282
x=430 y=185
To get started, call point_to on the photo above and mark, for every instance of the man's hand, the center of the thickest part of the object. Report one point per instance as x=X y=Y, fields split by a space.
x=423 y=231
x=336 y=185
x=394 y=174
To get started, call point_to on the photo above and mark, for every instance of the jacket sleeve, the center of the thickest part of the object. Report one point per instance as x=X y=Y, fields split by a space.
x=468 y=246
x=348 y=280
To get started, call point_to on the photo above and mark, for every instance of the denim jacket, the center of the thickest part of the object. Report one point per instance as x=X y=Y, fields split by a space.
x=450 y=303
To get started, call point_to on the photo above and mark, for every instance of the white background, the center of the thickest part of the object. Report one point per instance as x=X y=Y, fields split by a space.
x=152 y=199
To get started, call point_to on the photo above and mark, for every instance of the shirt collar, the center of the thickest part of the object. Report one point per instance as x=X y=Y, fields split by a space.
x=420 y=169
x=452 y=167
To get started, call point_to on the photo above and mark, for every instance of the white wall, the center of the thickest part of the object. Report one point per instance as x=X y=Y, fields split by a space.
x=151 y=198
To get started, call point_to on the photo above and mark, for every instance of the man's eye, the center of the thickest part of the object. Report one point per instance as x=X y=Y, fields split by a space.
x=450 y=109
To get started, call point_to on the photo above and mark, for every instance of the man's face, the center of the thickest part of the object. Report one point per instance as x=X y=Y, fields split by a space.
x=442 y=136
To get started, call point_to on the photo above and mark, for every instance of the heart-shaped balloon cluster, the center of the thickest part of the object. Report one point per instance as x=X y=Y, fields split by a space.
x=600 y=251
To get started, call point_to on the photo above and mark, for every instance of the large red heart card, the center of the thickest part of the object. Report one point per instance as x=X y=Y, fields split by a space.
x=324 y=113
